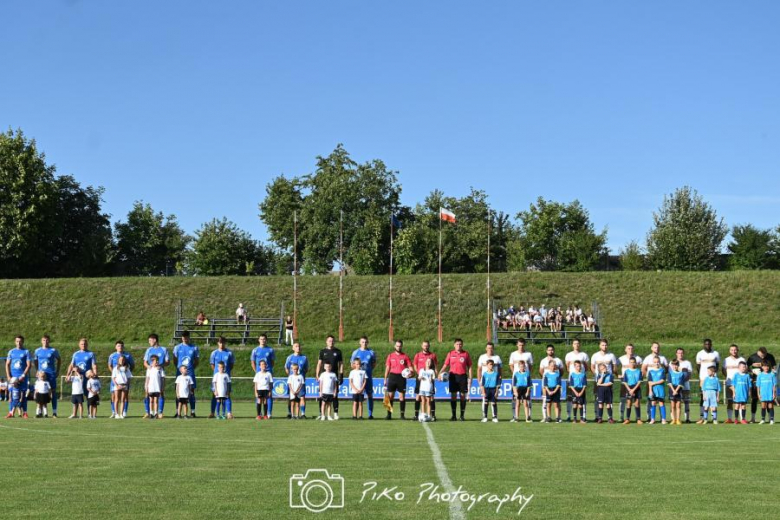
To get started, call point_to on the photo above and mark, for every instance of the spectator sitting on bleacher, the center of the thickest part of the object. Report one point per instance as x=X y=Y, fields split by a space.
x=577 y=315
x=588 y=323
x=241 y=314
x=569 y=315
x=201 y=319
x=538 y=322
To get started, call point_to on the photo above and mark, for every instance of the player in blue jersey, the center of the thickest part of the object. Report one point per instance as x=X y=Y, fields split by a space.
x=187 y=355
x=551 y=387
x=489 y=383
x=113 y=361
x=577 y=385
x=155 y=349
x=367 y=359
x=742 y=383
x=262 y=352
x=604 y=393
x=676 y=386
x=222 y=355
x=656 y=387
x=710 y=390
x=766 y=383
x=17 y=366
x=521 y=388
x=296 y=358
x=47 y=360
x=83 y=360
x=632 y=386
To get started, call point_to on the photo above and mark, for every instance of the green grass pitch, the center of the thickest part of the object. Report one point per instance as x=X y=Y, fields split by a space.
x=241 y=469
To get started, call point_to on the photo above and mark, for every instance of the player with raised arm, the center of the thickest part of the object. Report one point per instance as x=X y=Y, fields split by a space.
x=459 y=375
x=705 y=359
x=514 y=358
x=610 y=362
x=398 y=367
x=543 y=366
x=367 y=359
x=333 y=356
x=113 y=361
x=729 y=370
x=47 y=360
x=155 y=349
x=420 y=363
x=262 y=352
x=571 y=357
x=302 y=362
x=625 y=362
x=187 y=355
x=226 y=357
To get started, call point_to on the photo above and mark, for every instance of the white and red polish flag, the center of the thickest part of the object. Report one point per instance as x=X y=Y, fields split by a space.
x=447 y=215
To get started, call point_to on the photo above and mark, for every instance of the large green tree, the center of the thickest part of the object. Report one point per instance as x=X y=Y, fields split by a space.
x=367 y=193
x=221 y=248
x=559 y=237
x=27 y=205
x=686 y=234
x=149 y=243
x=753 y=248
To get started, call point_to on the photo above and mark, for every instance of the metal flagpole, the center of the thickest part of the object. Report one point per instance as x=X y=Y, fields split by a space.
x=341 y=275
x=440 y=328
x=489 y=317
x=390 y=330
x=295 y=276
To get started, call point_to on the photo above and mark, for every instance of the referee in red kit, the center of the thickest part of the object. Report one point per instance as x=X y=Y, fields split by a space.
x=396 y=363
x=459 y=362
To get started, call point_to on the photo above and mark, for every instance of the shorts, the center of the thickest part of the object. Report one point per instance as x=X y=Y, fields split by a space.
x=740 y=401
x=119 y=387
x=327 y=398
x=657 y=398
x=426 y=393
x=709 y=399
x=358 y=398
x=554 y=397
x=182 y=400
x=770 y=400
x=43 y=398
x=675 y=398
x=522 y=393
x=77 y=399
x=417 y=389
x=263 y=394
x=686 y=395
x=637 y=395
x=459 y=383
x=604 y=395
x=491 y=395
x=294 y=399
x=396 y=383
x=154 y=394
x=578 y=400
x=93 y=401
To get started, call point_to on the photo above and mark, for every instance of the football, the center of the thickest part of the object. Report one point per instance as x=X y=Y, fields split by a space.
x=444 y=376
x=407 y=373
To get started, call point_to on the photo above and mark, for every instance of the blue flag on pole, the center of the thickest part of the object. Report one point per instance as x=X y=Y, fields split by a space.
x=396 y=222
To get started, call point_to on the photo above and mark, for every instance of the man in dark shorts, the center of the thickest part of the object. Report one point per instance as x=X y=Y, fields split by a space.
x=331 y=355
x=459 y=362
x=420 y=359
x=395 y=365
x=754 y=365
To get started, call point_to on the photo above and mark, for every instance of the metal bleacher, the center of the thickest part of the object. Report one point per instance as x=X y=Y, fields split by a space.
x=567 y=334
x=233 y=331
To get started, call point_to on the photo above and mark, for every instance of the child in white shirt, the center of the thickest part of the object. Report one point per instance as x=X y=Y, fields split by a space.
x=263 y=382
x=184 y=386
x=357 y=384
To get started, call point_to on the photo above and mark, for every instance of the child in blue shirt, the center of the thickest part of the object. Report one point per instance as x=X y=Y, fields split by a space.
x=741 y=384
x=632 y=382
x=676 y=386
x=604 y=393
x=489 y=387
x=551 y=386
x=766 y=384
x=521 y=382
x=710 y=389
x=15 y=396
x=578 y=384
x=656 y=382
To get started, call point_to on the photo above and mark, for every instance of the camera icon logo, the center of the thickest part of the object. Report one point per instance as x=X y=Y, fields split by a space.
x=317 y=491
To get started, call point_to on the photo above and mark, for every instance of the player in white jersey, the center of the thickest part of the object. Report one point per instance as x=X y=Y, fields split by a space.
x=514 y=358
x=489 y=355
x=687 y=368
x=610 y=362
x=730 y=368
x=705 y=359
x=571 y=357
x=648 y=364
x=543 y=366
x=625 y=361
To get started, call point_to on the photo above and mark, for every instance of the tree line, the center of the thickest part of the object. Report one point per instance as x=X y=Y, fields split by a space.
x=51 y=226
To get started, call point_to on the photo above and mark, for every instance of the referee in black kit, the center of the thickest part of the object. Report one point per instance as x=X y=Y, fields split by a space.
x=333 y=356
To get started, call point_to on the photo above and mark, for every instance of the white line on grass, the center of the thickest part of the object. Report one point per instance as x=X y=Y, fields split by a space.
x=456 y=510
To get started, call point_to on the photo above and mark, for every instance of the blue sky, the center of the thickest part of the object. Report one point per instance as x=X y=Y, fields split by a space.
x=195 y=106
